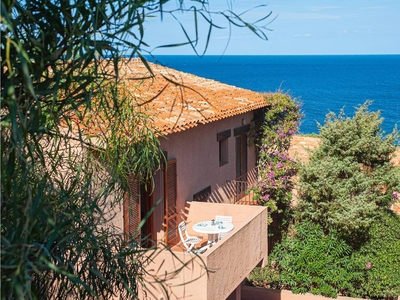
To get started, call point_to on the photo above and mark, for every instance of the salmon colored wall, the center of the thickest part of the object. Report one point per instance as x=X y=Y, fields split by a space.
x=197 y=154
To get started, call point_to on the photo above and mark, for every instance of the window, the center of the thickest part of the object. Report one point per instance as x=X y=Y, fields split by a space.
x=240 y=134
x=223 y=152
x=222 y=138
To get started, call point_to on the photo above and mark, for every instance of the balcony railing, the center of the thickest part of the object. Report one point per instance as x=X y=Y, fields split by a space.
x=243 y=184
x=236 y=191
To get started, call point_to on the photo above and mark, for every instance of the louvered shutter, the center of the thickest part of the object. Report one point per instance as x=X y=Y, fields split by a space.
x=244 y=155
x=241 y=165
x=238 y=144
x=170 y=203
x=132 y=208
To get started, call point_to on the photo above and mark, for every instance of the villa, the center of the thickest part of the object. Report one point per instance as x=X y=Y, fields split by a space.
x=203 y=126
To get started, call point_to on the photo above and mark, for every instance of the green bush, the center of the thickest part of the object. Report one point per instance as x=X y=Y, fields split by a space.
x=345 y=240
x=379 y=260
x=309 y=261
x=350 y=176
x=360 y=137
x=271 y=133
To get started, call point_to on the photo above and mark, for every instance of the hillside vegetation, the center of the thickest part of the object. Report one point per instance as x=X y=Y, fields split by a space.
x=343 y=238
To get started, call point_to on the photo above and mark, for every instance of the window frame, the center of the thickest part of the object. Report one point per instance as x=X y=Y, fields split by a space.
x=222 y=139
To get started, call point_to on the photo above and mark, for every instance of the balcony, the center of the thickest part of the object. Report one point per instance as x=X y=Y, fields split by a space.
x=236 y=191
x=219 y=272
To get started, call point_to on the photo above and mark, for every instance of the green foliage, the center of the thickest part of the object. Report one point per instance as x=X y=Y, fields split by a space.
x=350 y=176
x=272 y=132
x=312 y=261
x=280 y=121
x=345 y=239
x=309 y=261
x=361 y=137
x=379 y=260
x=271 y=135
x=335 y=193
x=61 y=172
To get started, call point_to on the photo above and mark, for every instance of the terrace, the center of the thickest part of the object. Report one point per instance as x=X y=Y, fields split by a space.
x=217 y=273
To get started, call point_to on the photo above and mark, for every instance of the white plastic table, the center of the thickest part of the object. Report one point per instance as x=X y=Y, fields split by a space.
x=212 y=230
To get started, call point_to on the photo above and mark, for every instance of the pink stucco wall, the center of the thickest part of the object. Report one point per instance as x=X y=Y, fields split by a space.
x=197 y=154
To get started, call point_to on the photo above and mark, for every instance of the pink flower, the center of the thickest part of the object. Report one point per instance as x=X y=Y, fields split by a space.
x=395 y=195
x=368 y=265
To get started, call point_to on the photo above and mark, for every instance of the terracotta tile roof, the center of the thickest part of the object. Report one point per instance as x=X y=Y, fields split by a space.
x=178 y=101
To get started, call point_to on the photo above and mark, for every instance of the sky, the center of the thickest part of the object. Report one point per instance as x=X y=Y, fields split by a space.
x=295 y=27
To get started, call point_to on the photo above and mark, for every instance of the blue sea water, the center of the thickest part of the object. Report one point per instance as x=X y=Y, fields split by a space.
x=322 y=83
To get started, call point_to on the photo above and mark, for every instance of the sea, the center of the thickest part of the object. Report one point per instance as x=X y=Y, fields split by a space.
x=322 y=83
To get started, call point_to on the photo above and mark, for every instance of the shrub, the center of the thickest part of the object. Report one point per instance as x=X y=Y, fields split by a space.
x=272 y=132
x=345 y=239
x=379 y=260
x=309 y=261
x=318 y=263
x=360 y=137
x=350 y=176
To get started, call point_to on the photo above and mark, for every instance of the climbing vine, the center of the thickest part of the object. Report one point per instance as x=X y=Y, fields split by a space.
x=271 y=134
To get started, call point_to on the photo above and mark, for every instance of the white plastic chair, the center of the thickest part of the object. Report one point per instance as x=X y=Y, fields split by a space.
x=201 y=250
x=187 y=240
x=223 y=219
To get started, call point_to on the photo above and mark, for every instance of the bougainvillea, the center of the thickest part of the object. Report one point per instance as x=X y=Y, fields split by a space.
x=271 y=134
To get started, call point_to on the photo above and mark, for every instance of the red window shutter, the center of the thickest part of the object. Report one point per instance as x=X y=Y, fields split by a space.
x=131 y=208
x=170 y=179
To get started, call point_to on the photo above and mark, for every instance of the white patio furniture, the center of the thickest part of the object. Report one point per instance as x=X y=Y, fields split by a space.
x=213 y=229
x=200 y=250
x=187 y=240
x=223 y=219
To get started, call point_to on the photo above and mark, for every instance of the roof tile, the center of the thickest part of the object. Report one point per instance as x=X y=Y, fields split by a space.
x=183 y=100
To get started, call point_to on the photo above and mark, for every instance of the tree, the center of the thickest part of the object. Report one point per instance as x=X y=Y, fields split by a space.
x=60 y=62
x=344 y=239
x=350 y=176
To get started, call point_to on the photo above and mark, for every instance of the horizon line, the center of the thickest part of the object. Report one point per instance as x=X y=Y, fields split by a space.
x=327 y=54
